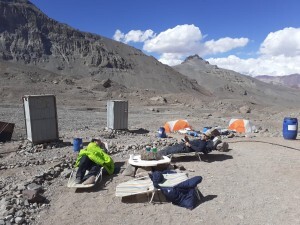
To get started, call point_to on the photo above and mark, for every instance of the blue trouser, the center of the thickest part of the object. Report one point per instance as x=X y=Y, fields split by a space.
x=87 y=164
x=197 y=146
x=178 y=148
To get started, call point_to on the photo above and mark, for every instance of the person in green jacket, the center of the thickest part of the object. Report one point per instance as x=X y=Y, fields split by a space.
x=92 y=158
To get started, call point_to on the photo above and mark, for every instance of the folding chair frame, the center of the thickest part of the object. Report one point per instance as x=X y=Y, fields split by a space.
x=99 y=175
x=185 y=154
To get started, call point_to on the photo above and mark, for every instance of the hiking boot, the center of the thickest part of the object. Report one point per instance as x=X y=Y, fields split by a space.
x=90 y=180
x=186 y=139
x=77 y=180
x=216 y=141
x=223 y=147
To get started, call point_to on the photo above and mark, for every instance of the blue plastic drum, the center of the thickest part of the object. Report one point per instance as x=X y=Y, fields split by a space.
x=290 y=128
x=77 y=144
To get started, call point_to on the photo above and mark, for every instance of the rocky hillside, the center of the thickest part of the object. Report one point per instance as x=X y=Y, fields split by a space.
x=29 y=37
x=292 y=80
x=232 y=85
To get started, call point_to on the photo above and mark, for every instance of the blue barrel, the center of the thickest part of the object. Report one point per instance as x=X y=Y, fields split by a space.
x=77 y=144
x=162 y=132
x=290 y=128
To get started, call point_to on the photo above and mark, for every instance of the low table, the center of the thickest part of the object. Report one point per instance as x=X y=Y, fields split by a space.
x=135 y=160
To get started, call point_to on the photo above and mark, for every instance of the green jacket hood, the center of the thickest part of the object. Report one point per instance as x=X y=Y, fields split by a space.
x=98 y=156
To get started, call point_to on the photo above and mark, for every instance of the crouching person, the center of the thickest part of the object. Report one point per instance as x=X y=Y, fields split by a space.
x=92 y=158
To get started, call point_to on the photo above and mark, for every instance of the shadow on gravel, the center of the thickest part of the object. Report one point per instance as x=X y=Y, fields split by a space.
x=185 y=158
x=139 y=131
x=67 y=143
x=206 y=198
x=205 y=158
x=159 y=198
x=215 y=157
x=86 y=143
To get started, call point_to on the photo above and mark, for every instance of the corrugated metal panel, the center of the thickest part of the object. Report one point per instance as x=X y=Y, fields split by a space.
x=117 y=114
x=41 y=118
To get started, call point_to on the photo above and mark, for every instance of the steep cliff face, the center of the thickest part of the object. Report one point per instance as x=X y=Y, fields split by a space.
x=29 y=36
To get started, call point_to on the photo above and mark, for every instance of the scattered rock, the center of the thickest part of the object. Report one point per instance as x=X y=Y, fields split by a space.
x=19 y=220
x=33 y=196
x=106 y=83
x=245 y=109
x=159 y=99
x=35 y=187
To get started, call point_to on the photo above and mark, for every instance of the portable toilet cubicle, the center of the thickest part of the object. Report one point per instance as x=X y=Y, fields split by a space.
x=117 y=114
x=40 y=118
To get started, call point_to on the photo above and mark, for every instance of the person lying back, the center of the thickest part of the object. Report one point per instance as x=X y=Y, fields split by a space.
x=205 y=144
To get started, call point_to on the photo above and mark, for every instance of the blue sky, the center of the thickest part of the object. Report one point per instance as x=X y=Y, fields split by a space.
x=252 y=37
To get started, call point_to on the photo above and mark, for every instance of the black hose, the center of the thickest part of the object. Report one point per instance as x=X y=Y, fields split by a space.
x=268 y=143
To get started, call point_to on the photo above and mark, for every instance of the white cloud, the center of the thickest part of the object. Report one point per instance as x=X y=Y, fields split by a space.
x=264 y=65
x=283 y=42
x=171 y=59
x=223 y=45
x=118 y=36
x=279 y=55
x=175 y=44
x=182 y=39
x=210 y=47
x=133 y=36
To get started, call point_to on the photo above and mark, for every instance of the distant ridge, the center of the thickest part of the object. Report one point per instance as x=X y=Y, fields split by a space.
x=292 y=80
x=228 y=84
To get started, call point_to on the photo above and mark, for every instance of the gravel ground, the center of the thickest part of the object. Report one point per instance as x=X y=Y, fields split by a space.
x=256 y=182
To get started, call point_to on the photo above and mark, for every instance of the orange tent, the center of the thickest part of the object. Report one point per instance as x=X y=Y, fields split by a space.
x=241 y=126
x=175 y=125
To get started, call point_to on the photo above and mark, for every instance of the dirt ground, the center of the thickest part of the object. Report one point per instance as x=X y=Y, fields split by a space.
x=256 y=182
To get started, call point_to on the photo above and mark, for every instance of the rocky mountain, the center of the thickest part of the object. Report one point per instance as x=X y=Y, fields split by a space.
x=30 y=38
x=40 y=55
x=292 y=80
x=228 y=84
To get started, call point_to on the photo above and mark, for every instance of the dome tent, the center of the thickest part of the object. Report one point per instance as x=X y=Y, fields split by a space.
x=241 y=126
x=176 y=125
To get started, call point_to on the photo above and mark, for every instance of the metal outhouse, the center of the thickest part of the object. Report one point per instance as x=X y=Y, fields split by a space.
x=40 y=118
x=117 y=114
